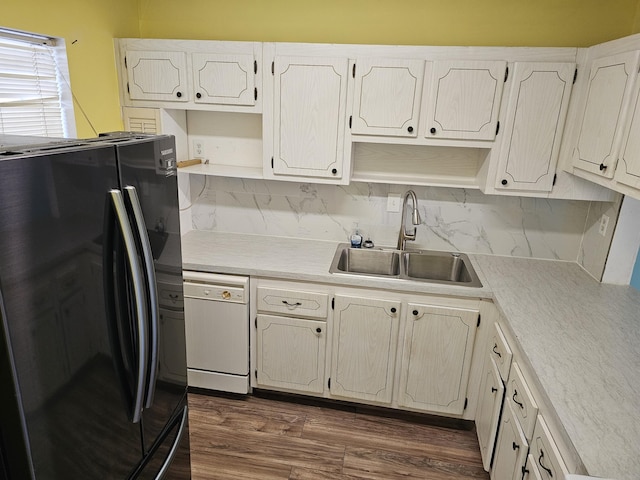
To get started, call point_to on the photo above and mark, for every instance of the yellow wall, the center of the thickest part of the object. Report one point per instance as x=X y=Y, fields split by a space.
x=92 y=25
x=407 y=22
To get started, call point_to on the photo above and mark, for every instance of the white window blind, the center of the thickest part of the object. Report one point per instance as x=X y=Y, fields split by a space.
x=30 y=89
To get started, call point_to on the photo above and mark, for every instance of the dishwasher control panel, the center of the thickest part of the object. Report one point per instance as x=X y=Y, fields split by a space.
x=208 y=286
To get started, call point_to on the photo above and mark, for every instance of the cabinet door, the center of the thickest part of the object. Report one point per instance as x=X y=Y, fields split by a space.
x=489 y=409
x=438 y=346
x=309 y=116
x=157 y=76
x=610 y=82
x=531 y=470
x=545 y=452
x=365 y=333
x=464 y=99
x=511 y=449
x=291 y=353
x=224 y=79
x=628 y=168
x=538 y=105
x=387 y=97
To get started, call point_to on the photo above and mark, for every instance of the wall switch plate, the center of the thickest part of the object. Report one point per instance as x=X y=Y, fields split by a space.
x=198 y=148
x=604 y=222
x=393 y=202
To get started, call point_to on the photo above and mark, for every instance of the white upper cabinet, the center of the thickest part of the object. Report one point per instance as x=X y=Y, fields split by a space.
x=463 y=99
x=608 y=95
x=309 y=116
x=224 y=79
x=155 y=75
x=387 y=96
x=628 y=168
x=537 y=108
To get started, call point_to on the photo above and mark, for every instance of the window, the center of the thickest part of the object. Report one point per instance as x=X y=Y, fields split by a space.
x=35 y=96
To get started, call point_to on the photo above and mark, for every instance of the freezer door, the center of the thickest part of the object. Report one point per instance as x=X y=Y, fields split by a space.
x=51 y=275
x=148 y=165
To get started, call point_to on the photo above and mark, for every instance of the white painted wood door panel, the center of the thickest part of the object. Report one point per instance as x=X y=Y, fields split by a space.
x=511 y=449
x=223 y=79
x=387 y=96
x=438 y=346
x=489 y=409
x=157 y=75
x=628 y=168
x=464 y=100
x=533 y=128
x=291 y=353
x=365 y=334
x=309 y=116
x=610 y=82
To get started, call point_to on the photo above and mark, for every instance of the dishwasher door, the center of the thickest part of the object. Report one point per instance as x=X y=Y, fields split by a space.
x=216 y=309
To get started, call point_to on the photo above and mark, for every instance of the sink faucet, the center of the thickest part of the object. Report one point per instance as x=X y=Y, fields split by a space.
x=403 y=235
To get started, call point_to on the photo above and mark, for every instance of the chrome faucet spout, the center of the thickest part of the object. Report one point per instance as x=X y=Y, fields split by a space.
x=405 y=235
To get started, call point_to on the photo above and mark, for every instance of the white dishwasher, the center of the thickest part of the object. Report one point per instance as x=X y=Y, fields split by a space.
x=216 y=310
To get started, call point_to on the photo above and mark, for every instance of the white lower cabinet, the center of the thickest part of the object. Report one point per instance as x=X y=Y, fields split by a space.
x=511 y=449
x=291 y=353
x=364 y=347
x=438 y=347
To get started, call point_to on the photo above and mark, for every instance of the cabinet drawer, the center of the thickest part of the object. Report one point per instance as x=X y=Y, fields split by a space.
x=500 y=352
x=519 y=396
x=545 y=453
x=290 y=302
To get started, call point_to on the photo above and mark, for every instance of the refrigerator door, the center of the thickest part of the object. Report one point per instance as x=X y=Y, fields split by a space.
x=148 y=165
x=51 y=277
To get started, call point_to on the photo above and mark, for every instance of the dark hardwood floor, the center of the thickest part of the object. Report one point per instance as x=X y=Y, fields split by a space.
x=273 y=437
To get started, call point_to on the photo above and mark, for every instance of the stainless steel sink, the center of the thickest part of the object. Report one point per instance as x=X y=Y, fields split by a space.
x=450 y=268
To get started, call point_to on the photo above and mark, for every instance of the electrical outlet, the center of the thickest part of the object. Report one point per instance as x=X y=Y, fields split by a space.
x=604 y=222
x=198 y=149
x=393 y=202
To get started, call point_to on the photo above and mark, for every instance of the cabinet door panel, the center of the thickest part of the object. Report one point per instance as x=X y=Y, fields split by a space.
x=309 y=116
x=610 y=82
x=291 y=353
x=223 y=79
x=438 y=347
x=488 y=413
x=387 y=97
x=628 y=169
x=365 y=333
x=533 y=128
x=511 y=449
x=157 y=76
x=545 y=453
x=465 y=99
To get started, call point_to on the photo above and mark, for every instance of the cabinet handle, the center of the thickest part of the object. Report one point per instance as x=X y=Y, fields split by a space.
x=433 y=130
x=415 y=312
x=198 y=95
x=504 y=181
x=393 y=309
x=226 y=295
x=494 y=389
x=410 y=129
x=495 y=345
x=179 y=94
x=602 y=167
x=515 y=446
x=318 y=330
x=548 y=470
x=334 y=170
x=515 y=393
x=291 y=305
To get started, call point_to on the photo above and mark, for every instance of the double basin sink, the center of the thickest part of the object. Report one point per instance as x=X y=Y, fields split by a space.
x=449 y=268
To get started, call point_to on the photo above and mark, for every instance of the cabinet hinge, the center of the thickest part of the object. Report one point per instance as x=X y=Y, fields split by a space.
x=255 y=67
x=125 y=62
x=255 y=373
x=273 y=68
x=353 y=72
x=466 y=402
x=575 y=76
x=271 y=162
x=497 y=127
x=555 y=177
x=506 y=74
x=128 y=88
x=350 y=120
x=329 y=383
x=333 y=304
x=255 y=93
x=256 y=322
x=479 y=316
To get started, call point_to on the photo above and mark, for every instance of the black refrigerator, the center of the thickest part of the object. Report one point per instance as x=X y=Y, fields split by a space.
x=92 y=348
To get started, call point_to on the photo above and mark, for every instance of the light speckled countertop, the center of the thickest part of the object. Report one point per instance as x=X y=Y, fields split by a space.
x=581 y=337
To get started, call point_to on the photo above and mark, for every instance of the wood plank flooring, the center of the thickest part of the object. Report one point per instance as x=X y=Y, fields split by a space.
x=280 y=437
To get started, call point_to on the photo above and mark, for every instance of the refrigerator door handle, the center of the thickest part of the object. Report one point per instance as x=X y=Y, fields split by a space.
x=154 y=325
x=139 y=298
x=174 y=448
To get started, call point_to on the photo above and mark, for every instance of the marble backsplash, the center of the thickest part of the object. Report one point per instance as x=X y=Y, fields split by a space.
x=451 y=219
